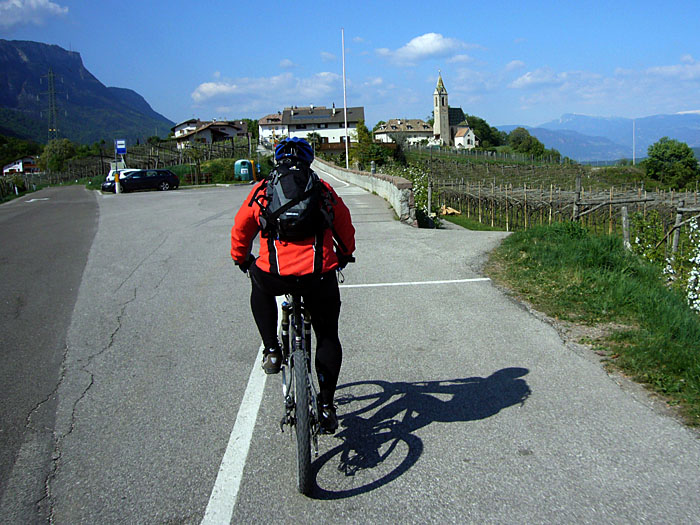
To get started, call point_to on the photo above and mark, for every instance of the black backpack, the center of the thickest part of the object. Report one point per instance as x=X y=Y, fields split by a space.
x=291 y=207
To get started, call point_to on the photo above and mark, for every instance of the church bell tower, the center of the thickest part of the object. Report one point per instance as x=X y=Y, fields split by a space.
x=441 y=126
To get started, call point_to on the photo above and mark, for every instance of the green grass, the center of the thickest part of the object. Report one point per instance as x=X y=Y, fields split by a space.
x=573 y=275
x=469 y=223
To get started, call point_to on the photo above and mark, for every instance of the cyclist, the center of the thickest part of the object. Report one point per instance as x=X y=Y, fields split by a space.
x=307 y=267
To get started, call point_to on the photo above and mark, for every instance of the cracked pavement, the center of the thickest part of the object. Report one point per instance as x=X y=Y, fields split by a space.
x=452 y=383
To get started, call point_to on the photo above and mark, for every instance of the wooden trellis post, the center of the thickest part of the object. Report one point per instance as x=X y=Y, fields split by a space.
x=677 y=231
x=507 y=224
x=610 y=215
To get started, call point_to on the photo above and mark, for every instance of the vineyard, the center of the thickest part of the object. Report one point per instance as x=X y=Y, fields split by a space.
x=512 y=196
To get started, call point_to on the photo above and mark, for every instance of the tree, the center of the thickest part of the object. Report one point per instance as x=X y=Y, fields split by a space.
x=489 y=137
x=521 y=141
x=671 y=162
x=314 y=139
x=366 y=150
x=56 y=153
x=376 y=126
x=517 y=137
x=12 y=149
x=252 y=129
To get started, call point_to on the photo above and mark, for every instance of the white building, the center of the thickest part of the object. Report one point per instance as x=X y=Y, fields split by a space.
x=412 y=130
x=205 y=132
x=20 y=166
x=329 y=123
x=465 y=138
x=270 y=128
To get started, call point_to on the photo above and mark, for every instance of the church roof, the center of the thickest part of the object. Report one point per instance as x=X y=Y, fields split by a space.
x=456 y=116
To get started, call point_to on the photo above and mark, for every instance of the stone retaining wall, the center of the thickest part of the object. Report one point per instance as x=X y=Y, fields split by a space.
x=396 y=190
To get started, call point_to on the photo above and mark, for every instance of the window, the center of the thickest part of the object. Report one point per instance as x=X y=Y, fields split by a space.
x=301 y=126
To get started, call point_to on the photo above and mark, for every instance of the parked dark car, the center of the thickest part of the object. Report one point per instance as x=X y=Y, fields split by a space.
x=145 y=180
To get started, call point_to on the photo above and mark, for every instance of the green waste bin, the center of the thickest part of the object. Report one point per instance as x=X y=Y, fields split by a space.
x=243 y=170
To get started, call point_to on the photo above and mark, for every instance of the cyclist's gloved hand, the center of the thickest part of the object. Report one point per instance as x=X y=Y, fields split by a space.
x=344 y=260
x=245 y=265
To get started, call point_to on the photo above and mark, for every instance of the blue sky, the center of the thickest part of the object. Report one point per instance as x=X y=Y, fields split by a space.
x=508 y=62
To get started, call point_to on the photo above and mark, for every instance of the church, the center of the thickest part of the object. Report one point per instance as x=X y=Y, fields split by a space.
x=450 y=126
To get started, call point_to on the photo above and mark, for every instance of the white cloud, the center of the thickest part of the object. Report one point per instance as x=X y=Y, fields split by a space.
x=359 y=40
x=460 y=59
x=515 y=64
x=249 y=95
x=539 y=77
x=22 y=12
x=424 y=47
x=688 y=70
x=665 y=88
x=377 y=81
x=327 y=57
x=285 y=63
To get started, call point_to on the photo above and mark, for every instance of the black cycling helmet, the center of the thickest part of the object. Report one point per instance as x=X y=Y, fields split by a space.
x=294 y=147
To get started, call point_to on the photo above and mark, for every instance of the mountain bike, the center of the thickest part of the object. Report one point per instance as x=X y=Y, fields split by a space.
x=300 y=393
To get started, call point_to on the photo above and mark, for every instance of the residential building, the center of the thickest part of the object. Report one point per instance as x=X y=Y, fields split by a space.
x=208 y=132
x=270 y=128
x=21 y=166
x=410 y=130
x=329 y=123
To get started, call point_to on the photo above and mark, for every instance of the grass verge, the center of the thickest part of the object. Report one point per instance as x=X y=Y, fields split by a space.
x=570 y=274
x=469 y=223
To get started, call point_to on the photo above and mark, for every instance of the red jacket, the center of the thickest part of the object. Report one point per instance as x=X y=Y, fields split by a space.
x=291 y=258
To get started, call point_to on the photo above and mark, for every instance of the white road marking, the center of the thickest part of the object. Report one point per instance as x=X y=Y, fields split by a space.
x=225 y=492
x=326 y=174
x=414 y=283
x=34 y=200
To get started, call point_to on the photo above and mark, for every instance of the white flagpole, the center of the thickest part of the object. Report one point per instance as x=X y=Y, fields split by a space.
x=634 y=142
x=345 y=103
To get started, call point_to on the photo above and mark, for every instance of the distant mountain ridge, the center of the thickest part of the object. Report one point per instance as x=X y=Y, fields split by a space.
x=87 y=110
x=587 y=138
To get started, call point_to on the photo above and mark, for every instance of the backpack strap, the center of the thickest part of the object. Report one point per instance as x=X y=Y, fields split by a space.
x=272 y=251
x=327 y=211
x=255 y=199
x=318 y=252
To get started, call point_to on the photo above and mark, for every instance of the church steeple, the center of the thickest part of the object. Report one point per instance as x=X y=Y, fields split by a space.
x=440 y=88
x=441 y=111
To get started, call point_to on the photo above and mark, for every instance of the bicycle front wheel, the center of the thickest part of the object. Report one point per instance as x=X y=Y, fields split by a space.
x=303 y=424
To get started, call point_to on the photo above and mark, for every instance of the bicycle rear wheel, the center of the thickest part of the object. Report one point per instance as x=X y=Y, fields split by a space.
x=303 y=423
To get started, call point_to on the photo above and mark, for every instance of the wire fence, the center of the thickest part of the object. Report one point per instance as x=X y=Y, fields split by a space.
x=518 y=196
x=143 y=156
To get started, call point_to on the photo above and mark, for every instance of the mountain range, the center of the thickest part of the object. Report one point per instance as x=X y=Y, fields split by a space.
x=586 y=138
x=87 y=111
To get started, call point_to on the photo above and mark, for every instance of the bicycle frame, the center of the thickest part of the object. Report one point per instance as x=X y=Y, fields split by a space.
x=295 y=335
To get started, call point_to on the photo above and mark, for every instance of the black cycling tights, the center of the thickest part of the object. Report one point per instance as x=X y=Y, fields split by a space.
x=322 y=300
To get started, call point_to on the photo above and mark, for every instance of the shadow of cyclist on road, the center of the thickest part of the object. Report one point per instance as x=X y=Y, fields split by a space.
x=379 y=418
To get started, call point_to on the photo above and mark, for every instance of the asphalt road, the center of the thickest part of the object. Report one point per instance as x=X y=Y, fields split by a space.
x=457 y=405
x=45 y=239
